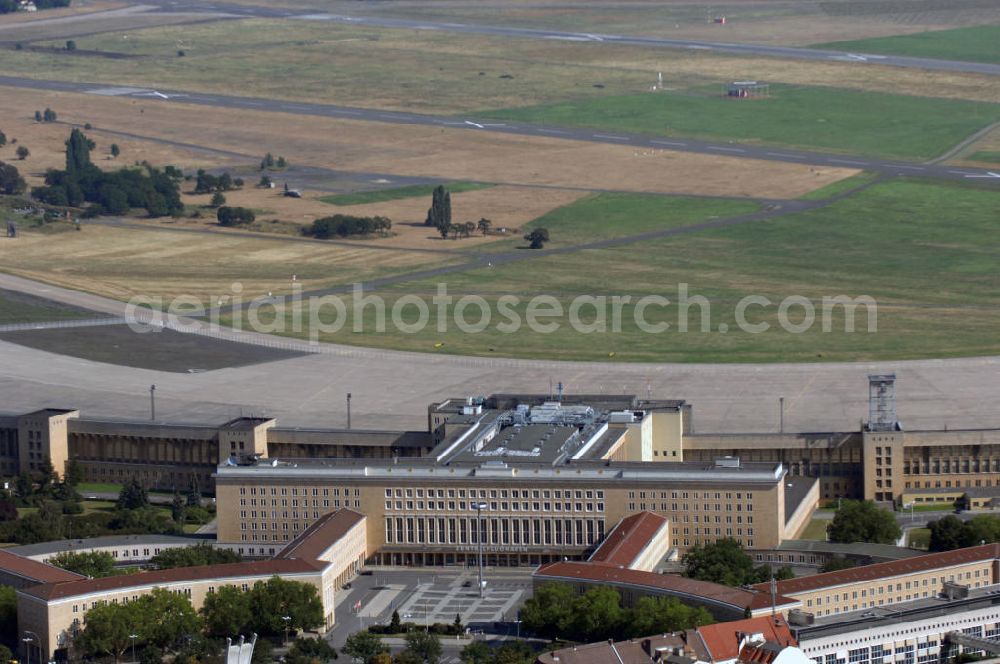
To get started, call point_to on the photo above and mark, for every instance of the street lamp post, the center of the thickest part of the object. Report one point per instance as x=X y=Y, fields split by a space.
x=30 y=637
x=479 y=540
x=287 y=620
x=133 y=637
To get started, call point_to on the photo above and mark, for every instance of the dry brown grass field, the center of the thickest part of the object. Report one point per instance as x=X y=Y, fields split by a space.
x=160 y=262
x=455 y=154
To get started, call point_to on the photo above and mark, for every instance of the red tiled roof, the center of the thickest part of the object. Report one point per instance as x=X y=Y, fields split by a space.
x=667 y=583
x=32 y=570
x=627 y=540
x=54 y=591
x=723 y=639
x=886 y=570
x=318 y=537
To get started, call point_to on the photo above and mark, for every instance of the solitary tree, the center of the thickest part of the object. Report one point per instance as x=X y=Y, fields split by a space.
x=863 y=521
x=484 y=225
x=70 y=45
x=439 y=213
x=3 y=139
x=11 y=182
x=537 y=238
x=133 y=496
x=218 y=200
x=38 y=116
x=115 y=150
x=23 y=152
x=722 y=562
x=49 y=115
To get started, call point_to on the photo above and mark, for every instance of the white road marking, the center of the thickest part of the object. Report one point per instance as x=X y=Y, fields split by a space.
x=552 y=131
x=846 y=161
x=722 y=149
x=989 y=174
x=669 y=143
x=912 y=168
x=610 y=137
x=784 y=155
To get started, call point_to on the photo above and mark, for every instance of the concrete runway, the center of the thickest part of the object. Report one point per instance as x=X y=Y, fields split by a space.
x=887 y=167
x=628 y=40
x=391 y=389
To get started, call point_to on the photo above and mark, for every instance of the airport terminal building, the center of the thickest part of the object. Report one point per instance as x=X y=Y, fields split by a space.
x=530 y=482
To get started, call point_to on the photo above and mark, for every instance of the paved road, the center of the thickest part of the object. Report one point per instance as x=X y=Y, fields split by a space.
x=796 y=53
x=888 y=167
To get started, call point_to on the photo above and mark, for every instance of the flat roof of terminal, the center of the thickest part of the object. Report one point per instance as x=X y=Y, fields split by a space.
x=921 y=609
x=417 y=469
x=45 y=548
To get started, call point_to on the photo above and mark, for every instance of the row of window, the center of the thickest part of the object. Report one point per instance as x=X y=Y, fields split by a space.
x=495 y=506
x=495 y=531
x=294 y=491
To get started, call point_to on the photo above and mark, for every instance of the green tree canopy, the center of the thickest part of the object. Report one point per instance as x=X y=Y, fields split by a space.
x=194 y=556
x=863 y=521
x=364 y=647
x=310 y=651
x=270 y=601
x=11 y=182
x=424 y=646
x=722 y=562
x=88 y=563
x=132 y=496
x=658 y=615
x=537 y=238
x=227 y=612
x=837 y=563
x=550 y=610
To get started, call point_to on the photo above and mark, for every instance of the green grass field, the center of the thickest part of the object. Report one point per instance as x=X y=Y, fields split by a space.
x=988 y=156
x=816 y=530
x=21 y=308
x=831 y=119
x=602 y=216
x=976 y=44
x=919 y=538
x=924 y=251
x=932 y=507
x=397 y=193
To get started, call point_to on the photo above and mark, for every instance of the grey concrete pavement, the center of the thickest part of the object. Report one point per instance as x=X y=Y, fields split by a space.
x=391 y=389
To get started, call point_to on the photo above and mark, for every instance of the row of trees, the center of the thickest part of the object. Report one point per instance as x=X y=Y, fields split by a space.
x=344 y=225
x=556 y=610
x=115 y=192
x=368 y=648
x=725 y=562
x=48 y=115
x=206 y=183
x=60 y=512
x=269 y=162
x=167 y=623
x=951 y=532
x=235 y=216
x=98 y=564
